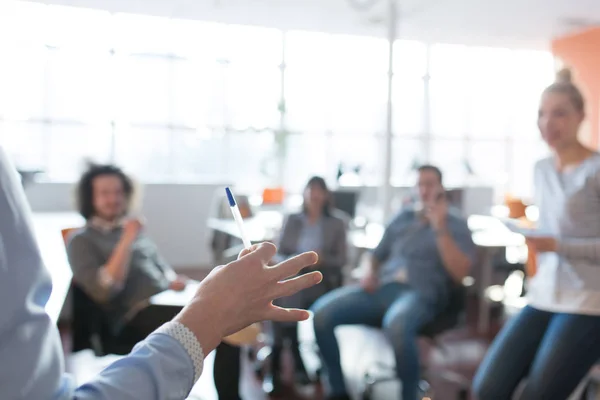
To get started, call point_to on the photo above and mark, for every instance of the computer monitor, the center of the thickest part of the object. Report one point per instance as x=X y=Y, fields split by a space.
x=346 y=201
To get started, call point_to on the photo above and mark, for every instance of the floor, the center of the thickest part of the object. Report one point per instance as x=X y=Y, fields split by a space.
x=458 y=352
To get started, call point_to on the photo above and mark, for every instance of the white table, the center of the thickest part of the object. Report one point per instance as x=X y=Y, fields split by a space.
x=490 y=241
x=47 y=227
x=264 y=226
x=171 y=298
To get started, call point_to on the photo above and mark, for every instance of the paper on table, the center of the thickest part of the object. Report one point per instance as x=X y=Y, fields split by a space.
x=516 y=226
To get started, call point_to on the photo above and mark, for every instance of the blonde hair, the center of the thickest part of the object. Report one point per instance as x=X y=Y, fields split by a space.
x=563 y=84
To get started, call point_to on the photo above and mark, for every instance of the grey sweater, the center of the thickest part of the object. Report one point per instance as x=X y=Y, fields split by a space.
x=90 y=248
x=330 y=242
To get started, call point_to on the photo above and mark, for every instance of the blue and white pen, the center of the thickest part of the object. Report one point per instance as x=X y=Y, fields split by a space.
x=238 y=218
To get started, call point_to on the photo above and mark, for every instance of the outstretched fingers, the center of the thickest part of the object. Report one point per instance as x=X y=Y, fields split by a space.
x=286 y=314
x=292 y=266
x=294 y=285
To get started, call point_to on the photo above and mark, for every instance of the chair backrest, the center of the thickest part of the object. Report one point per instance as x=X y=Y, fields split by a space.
x=87 y=324
x=66 y=233
x=450 y=316
x=89 y=327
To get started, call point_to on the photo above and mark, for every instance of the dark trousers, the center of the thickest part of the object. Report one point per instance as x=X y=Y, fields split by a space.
x=227 y=358
x=552 y=351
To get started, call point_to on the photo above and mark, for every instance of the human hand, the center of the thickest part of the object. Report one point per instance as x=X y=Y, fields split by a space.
x=542 y=244
x=320 y=257
x=131 y=228
x=234 y=296
x=370 y=281
x=436 y=212
x=178 y=284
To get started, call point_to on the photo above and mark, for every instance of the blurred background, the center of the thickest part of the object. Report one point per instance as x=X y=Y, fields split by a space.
x=189 y=97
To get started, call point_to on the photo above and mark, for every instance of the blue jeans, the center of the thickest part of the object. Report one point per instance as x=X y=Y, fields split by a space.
x=395 y=307
x=553 y=351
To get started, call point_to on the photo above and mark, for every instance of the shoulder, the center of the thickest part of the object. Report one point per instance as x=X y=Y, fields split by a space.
x=407 y=213
x=80 y=237
x=338 y=221
x=403 y=217
x=455 y=214
x=292 y=220
x=544 y=165
x=456 y=218
x=595 y=163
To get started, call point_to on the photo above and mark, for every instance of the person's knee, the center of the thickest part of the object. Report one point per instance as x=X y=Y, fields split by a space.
x=324 y=313
x=398 y=331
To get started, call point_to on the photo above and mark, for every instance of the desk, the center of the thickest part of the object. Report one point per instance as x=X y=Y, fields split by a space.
x=264 y=226
x=171 y=298
x=47 y=228
x=490 y=242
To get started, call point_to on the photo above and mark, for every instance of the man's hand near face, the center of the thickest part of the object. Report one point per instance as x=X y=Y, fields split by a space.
x=436 y=212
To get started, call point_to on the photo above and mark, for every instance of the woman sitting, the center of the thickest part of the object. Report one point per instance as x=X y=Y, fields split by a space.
x=322 y=229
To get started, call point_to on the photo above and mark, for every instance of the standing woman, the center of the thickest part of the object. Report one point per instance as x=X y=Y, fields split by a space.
x=553 y=342
x=322 y=229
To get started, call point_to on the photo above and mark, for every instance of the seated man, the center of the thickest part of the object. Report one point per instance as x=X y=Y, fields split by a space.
x=424 y=251
x=120 y=268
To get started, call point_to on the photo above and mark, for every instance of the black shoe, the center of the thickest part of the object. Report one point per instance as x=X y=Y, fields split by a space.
x=272 y=385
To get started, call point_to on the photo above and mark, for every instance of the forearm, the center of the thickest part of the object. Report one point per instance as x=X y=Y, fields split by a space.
x=164 y=366
x=203 y=318
x=580 y=249
x=117 y=266
x=456 y=262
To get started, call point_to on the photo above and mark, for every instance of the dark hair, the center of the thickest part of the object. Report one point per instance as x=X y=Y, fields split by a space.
x=85 y=187
x=564 y=85
x=431 y=168
x=321 y=184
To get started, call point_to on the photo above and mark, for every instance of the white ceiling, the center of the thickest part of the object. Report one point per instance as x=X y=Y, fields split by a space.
x=514 y=23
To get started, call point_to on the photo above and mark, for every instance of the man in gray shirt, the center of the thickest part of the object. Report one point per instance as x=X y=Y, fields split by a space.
x=119 y=268
x=425 y=250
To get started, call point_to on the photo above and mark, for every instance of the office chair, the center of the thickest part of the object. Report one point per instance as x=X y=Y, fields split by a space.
x=89 y=326
x=451 y=317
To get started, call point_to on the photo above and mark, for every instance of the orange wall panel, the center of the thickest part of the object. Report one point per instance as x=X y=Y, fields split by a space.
x=581 y=53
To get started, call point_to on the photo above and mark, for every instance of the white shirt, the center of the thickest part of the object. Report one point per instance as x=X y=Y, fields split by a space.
x=569 y=281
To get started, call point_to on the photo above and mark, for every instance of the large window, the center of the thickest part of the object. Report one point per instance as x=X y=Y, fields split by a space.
x=183 y=100
x=483 y=114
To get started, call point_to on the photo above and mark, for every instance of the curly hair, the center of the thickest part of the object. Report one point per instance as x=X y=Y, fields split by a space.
x=85 y=187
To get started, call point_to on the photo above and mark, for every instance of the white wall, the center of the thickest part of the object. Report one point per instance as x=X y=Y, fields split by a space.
x=176 y=216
